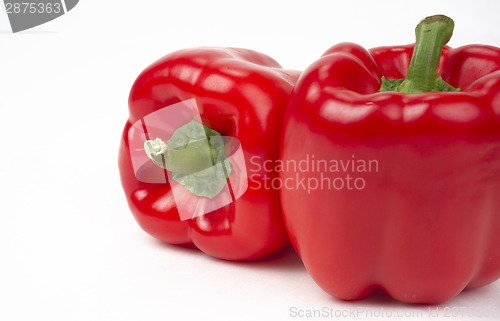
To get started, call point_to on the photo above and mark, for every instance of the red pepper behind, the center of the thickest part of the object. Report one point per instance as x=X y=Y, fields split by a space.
x=239 y=93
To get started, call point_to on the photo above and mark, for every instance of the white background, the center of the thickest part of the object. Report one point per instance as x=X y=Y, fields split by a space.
x=70 y=248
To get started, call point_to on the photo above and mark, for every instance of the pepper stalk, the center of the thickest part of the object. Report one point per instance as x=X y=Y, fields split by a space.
x=195 y=154
x=432 y=33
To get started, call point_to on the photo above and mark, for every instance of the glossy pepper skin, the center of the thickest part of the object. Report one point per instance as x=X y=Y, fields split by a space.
x=426 y=225
x=239 y=93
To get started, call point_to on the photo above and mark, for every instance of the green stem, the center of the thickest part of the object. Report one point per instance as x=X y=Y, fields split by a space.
x=195 y=154
x=432 y=34
x=188 y=160
x=195 y=157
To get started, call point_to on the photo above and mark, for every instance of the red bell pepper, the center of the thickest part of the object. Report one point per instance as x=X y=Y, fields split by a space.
x=238 y=93
x=399 y=190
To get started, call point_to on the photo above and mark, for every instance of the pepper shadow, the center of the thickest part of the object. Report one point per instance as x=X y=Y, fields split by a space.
x=285 y=260
x=185 y=248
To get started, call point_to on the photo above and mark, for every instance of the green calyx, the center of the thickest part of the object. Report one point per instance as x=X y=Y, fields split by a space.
x=195 y=154
x=432 y=34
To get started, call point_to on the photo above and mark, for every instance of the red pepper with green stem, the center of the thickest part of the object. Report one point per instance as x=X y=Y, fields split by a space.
x=239 y=93
x=420 y=219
